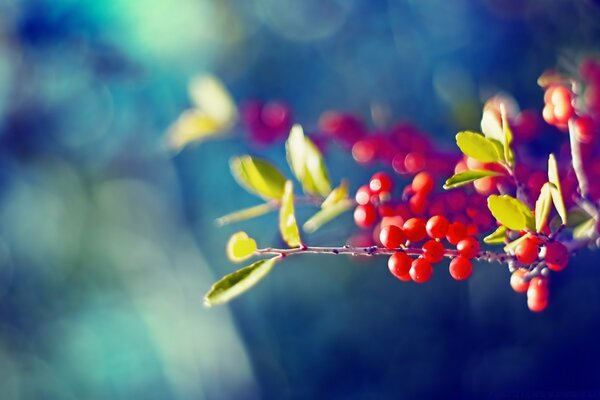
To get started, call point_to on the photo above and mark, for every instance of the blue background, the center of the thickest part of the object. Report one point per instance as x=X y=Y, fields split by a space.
x=107 y=242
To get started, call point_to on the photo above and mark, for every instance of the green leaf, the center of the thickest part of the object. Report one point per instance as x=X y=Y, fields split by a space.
x=585 y=229
x=306 y=162
x=511 y=212
x=465 y=177
x=236 y=283
x=478 y=147
x=240 y=247
x=258 y=176
x=336 y=195
x=556 y=190
x=327 y=214
x=509 y=156
x=244 y=214
x=510 y=248
x=542 y=206
x=287 y=219
x=496 y=237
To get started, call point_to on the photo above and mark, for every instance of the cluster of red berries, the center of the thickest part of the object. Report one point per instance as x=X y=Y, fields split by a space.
x=266 y=122
x=432 y=232
x=558 y=108
x=535 y=250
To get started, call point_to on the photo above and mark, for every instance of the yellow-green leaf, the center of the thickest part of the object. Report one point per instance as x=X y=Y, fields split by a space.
x=478 y=147
x=336 y=195
x=510 y=248
x=287 y=219
x=509 y=156
x=511 y=212
x=542 y=206
x=244 y=214
x=556 y=190
x=258 y=176
x=211 y=97
x=585 y=229
x=306 y=162
x=465 y=177
x=496 y=237
x=236 y=283
x=192 y=126
x=327 y=214
x=240 y=247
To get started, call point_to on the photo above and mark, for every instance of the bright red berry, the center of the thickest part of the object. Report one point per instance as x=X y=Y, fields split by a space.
x=537 y=304
x=399 y=264
x=456 y=232
x=527 y=251
x=584 y=129
x=460 y=268
x=392 y=236
x=518 y=282
x=433 y=251
x=381 y=182
x=414 y=228
x=537 y=294
x=422 y=182
x=437 y=227
x=363 y=195
x=421 y=270
x=468 y=247
x=557 y=256
x=365 y=215
x=418 y=203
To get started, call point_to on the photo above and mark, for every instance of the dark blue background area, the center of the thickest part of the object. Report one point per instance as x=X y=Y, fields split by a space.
x=107 y=242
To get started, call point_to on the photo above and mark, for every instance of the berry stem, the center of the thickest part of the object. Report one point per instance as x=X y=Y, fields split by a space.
x=577 y=161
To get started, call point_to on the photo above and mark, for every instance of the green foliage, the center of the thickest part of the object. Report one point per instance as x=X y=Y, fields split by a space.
x=306 y=162
x=236 y=283
x=258 y=176
x=509 y=156
x=240 y=247
x=496 y=237
x=327 y=214
x=287 y=218
x=244 y=214
x=477 y=146
x=543 y=206
x=555 y=189
x=338 y=194
x=465 y=177
x=511 y=212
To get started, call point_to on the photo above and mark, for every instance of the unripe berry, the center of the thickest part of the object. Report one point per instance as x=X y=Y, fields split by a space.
x=365 y=215
x=468 y=247
x=527 y=251
x=392 y=236
x=422 y=182
x=437 y=227
x=399 y=264
x=557 y=256
x=421 y=270
x=363 y=195
x=518 y=282
x=460 y=268
x=414 y=228
x=381 y=182
x=433 y=251
x=456 y=232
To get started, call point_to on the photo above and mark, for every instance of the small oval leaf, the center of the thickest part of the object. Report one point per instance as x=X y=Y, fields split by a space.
x=327 y=214
x=240 y=247
x=556 y=189
x=192 y=126
x=496 y=237
x=236 y=283
x=287 y=219
x=244 y=214
x=258 y=176
x=336 y=195
x=306 y=162
x=211 y=96
x=511 y=212
x=478 y=147
x=542 y=207
x=465 y=177
x=585 y=230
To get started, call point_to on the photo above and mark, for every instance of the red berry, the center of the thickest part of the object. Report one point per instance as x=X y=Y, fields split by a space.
x=536 y=304
x=437 y=227
x=456 y=232
x=433 y=251
x=468 y=247
x=364 y=151
x=527 y=251
x=537 y=294
x=414 y=228
x=460 y=268
x=517 y=281
x=365 y=215
x=422 y=182
x=414 y=162
x=421 y=270
x=392 y=236
x=563 y=112
x=560 y=96
x=381 y=182
x=418 y=203
x=584 y=129
x=363 y=195
x=399 y=264
x=557 y=256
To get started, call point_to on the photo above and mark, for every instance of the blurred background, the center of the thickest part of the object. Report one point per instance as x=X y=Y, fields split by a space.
x=108 y=242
